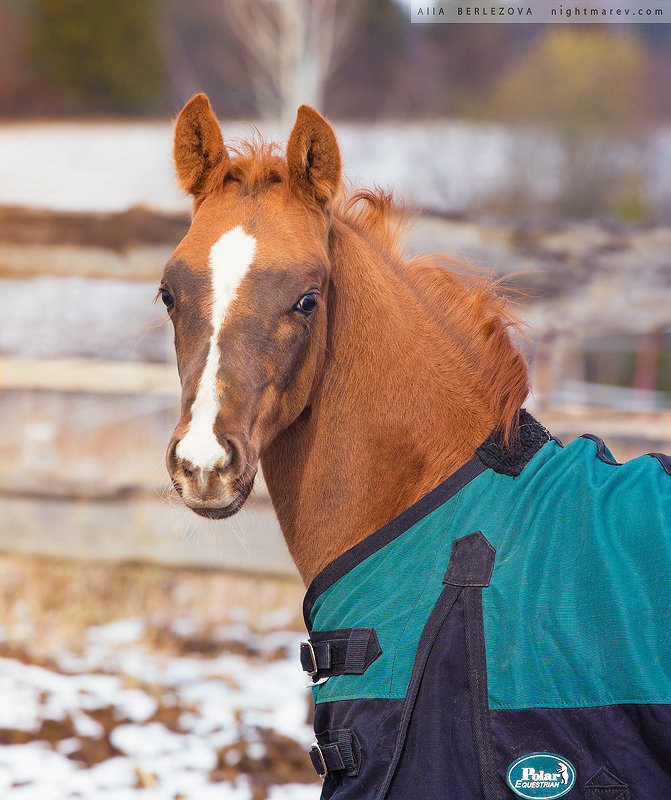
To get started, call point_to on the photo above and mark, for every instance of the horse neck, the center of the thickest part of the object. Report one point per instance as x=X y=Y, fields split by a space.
x=398 y=409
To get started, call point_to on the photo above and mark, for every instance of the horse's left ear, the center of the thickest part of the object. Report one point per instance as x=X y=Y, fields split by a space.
x=199 y=145
x=313 y=157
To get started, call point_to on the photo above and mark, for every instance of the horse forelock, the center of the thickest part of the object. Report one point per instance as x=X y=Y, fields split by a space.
x=254 y=163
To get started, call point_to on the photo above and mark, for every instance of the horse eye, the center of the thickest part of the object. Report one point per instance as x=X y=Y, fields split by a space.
x=168 y=299
x=307 y=304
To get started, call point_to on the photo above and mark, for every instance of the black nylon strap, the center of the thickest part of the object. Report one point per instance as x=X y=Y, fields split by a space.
x=315 y=656
x=326 y=758
x=347 y=651
x=338 y=754
x=357 y=647
x=471 y=561
x=664 y=460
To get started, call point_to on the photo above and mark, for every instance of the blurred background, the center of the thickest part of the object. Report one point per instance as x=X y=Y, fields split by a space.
x=143 y=651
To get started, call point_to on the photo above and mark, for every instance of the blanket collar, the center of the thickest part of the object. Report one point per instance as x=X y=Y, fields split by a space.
x=491 y=454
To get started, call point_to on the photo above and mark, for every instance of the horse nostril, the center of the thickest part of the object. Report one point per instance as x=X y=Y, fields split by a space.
x=178 y=466
x=235 y=459
x=170 y=456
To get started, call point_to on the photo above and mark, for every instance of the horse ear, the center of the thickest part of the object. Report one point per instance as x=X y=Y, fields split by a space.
x=199 y=145
x=313 y=158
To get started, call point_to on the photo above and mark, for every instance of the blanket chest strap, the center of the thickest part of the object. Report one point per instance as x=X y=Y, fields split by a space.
x=340 y=754
x=347 y=651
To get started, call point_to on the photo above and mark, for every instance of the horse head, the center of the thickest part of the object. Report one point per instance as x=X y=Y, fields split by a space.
x=246 y=293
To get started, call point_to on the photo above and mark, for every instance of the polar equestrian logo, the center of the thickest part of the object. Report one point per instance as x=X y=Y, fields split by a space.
x=541 y=776
x=562 y=769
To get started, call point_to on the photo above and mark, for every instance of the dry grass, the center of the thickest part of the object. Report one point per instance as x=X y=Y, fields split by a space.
x=46 y=606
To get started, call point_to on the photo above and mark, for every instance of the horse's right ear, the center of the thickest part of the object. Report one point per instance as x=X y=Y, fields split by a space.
x=199 y=145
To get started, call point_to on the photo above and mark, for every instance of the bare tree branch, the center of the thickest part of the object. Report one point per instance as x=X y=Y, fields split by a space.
x=293 y=46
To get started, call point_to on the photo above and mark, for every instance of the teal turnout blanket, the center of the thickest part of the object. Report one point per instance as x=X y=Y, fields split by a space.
x=508 y=635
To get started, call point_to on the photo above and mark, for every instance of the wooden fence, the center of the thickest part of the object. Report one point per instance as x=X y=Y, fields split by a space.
x=127 y=377
x=81 y=462
x=46 y=512
x=88 y=375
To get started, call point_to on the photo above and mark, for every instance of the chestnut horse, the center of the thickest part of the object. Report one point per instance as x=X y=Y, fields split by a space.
x=488 y=611
x=305 y=340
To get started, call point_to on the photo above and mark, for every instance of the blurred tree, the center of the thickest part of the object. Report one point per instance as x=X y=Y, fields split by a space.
x=590 y=88
x=367 y=82
x=452 y=62
x=577 y=80
x=103 y=55
x=203 y=55
x=292 y=47
x=84 y=55
x=9 y=55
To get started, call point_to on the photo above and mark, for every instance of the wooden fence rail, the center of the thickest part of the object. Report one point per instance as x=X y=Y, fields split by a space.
x=128 y=377
x=87 y=375
x=131 y=522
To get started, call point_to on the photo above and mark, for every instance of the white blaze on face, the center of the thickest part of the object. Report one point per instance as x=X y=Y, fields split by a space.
x=230 y=258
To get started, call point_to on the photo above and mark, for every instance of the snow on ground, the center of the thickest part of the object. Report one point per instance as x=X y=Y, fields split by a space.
x=446 y=165
x=113 y=166
x=88 y=167
x=124 y=719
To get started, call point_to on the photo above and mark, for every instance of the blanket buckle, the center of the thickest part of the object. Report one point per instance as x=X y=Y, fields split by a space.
x=311 y=650
x=318 y=760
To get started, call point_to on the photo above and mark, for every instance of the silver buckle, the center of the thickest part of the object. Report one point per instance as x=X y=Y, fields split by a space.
x=316 y=747
x=314 y=661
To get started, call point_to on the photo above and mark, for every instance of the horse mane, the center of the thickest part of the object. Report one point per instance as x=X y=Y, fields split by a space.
x=466 y=300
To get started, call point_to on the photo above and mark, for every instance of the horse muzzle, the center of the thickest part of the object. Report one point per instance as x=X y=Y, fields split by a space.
x=215 y=488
